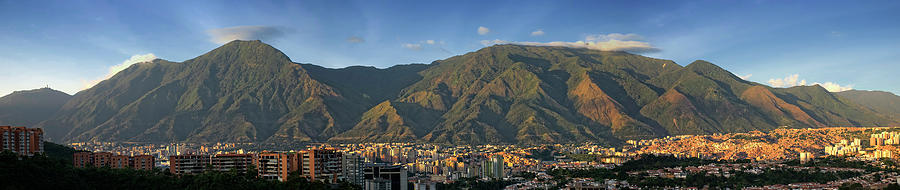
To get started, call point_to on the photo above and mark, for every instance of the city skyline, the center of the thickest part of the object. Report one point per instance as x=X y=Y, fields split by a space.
x=425 y=95
x=841 y=45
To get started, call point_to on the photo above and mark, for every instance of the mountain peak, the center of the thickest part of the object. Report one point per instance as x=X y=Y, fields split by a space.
x=702 y=64
x=710 y=70
x=43 y=90
x=28 y=107
x=245 y=42
x=241 y=49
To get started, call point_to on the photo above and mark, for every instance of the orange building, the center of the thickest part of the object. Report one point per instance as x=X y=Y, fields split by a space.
x=142 y=162
x=119 y=161
x=83 y=159
x=106 y=159
x=319 y=164
x=22 y=141
x=102 y=159
x=272 y=165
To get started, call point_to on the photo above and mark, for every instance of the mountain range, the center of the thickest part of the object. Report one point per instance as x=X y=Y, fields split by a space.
x=248 y=91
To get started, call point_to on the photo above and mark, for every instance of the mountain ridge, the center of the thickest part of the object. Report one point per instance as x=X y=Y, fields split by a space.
x=248 y=91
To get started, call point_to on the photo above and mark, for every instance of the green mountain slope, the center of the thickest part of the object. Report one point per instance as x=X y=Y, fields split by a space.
x=29 y=107
x=243 y=91
x=248 y=91
x=880 y=101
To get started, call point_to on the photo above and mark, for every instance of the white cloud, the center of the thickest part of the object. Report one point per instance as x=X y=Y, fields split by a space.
x=794 y=80
x=609 y=42
x=122 y=66
x=614 y=36
x=483 y=30
x=413 y=46
x=538 y=32
x=834 y=87
x=439 y=45
x=745 y=77
x=225 y=35
x=355 y=40
x=789 y=81
x=492 y=42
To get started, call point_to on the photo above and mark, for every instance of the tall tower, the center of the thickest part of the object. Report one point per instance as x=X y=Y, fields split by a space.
x=497 y=164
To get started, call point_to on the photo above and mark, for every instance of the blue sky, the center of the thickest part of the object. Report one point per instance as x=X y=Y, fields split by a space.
x=70 y=45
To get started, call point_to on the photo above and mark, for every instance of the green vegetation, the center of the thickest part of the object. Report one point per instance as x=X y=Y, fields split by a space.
x=883 y=102
x=248 y=91
x=543 y=154
x=739 y=180
x=475 y=184
x=42 y=172
x=837 y=162
x=58 y=151
x=646 y=162
x=742 y=179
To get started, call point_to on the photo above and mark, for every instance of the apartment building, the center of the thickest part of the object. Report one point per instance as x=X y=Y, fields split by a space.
x=385 y=177
x=320 y=164
x=272 y=165
x=228 y=162
x=188 y=164
x=106 y=159
x=21 y=140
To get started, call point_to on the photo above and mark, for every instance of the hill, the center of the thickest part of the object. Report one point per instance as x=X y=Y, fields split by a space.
x=880 y=101
x=29 y=107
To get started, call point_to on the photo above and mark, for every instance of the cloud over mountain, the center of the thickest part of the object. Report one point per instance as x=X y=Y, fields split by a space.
x=264 y=33
x=789 y=81
x=140 y=58
x=834 y=87
x=602 y=42
x=794 y=80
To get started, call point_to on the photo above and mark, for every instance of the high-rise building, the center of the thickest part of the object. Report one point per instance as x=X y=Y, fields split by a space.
x=385 y=177
x=424 y=185
x=352 y=166
x=21 y=140
x=882 y=154
x=272 y=165
x=188 y=164
x=320 y=164
x=493 y=168
x=805 y=157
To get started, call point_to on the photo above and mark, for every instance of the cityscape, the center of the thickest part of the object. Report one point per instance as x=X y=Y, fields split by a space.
x=422 y=166
x=450 y=95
